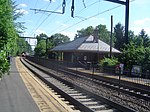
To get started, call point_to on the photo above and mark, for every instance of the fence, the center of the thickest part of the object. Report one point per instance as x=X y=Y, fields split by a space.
x=93 y=68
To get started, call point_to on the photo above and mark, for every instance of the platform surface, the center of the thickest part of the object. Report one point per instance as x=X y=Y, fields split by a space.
x=14 y=96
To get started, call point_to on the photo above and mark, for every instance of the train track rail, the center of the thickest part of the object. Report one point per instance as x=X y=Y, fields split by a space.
x=128 y=88
x=43 y=96
x=86 y=100
x=131 y=95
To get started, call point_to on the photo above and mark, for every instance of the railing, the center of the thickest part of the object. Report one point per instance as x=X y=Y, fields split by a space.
x=143 y=79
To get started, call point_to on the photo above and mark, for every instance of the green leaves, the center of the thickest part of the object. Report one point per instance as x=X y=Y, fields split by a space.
x=103 y=33
x=136 y=55
x=109 y=62
x=59 y=38
x=84 y=32
x=40 y=49
x=8 y=32
x=119 y=36
x=23 y=46
x=4 y=64
x=54 y=40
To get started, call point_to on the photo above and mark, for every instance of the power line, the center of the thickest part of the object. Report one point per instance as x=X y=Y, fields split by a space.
x=88 y=6
x=40 y=17
x=92 y=17
x=45 y=19
x=63 y=6
x=68 y=20
x=34 y=6
x=38 y=21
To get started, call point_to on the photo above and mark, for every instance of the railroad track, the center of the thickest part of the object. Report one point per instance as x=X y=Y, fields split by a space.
x=42 y=95
x=83 y=99
x=134 y=91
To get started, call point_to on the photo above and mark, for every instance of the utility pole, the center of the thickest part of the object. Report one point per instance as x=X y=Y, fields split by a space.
x=111 y=36
x=126 y=3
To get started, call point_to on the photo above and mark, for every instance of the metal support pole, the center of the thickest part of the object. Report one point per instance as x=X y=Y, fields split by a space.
x=127 y=21
x=126 y=3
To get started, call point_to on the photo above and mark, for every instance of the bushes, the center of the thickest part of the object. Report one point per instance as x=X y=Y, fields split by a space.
x=108 y=64
x=4 y=64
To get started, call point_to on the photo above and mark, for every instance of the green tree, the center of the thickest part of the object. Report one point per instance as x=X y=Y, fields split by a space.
x=145 y=38
x=41 y=37
x=119 y=36
x=40 y=49
x=58 y=38
x=19 y=26
x=133 y=55
x=104 y=34
x=131 y=36
x=52 y=41
x=4 y=65
x=7 y=32
x=84 y=32
x=23 y=46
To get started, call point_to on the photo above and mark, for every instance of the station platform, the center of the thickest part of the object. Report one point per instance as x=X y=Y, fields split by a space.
x=14 y=96
x=22 y=91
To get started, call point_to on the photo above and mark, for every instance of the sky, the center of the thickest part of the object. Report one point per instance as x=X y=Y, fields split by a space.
x=86 y=13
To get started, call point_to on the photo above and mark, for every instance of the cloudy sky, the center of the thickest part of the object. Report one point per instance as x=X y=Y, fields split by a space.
x=86 y=13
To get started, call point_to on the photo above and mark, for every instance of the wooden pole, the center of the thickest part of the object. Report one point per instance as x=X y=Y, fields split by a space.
x=111 y=36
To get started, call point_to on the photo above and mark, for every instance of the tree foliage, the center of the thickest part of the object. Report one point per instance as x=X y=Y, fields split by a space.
x=23 y=46
x=54 y=40
x=4 y=65
x=40 y=49
x=59 y=38
x=137 y=52
x=8 y=32
x=109 y=62
x=119 y=36
x=103 y=33
x=84 y=32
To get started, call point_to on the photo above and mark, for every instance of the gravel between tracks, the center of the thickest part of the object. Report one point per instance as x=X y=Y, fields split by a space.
x=124 y=99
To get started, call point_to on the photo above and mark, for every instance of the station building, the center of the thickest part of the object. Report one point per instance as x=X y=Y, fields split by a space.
x=83 y=49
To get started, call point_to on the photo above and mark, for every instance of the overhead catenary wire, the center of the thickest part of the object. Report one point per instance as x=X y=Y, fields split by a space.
x=45 y=19
x=34 y=6
x=63 y=9
x=38 y=21
x=66 y=21
x=80 y=11
x=92 y=17
x=83 y=19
